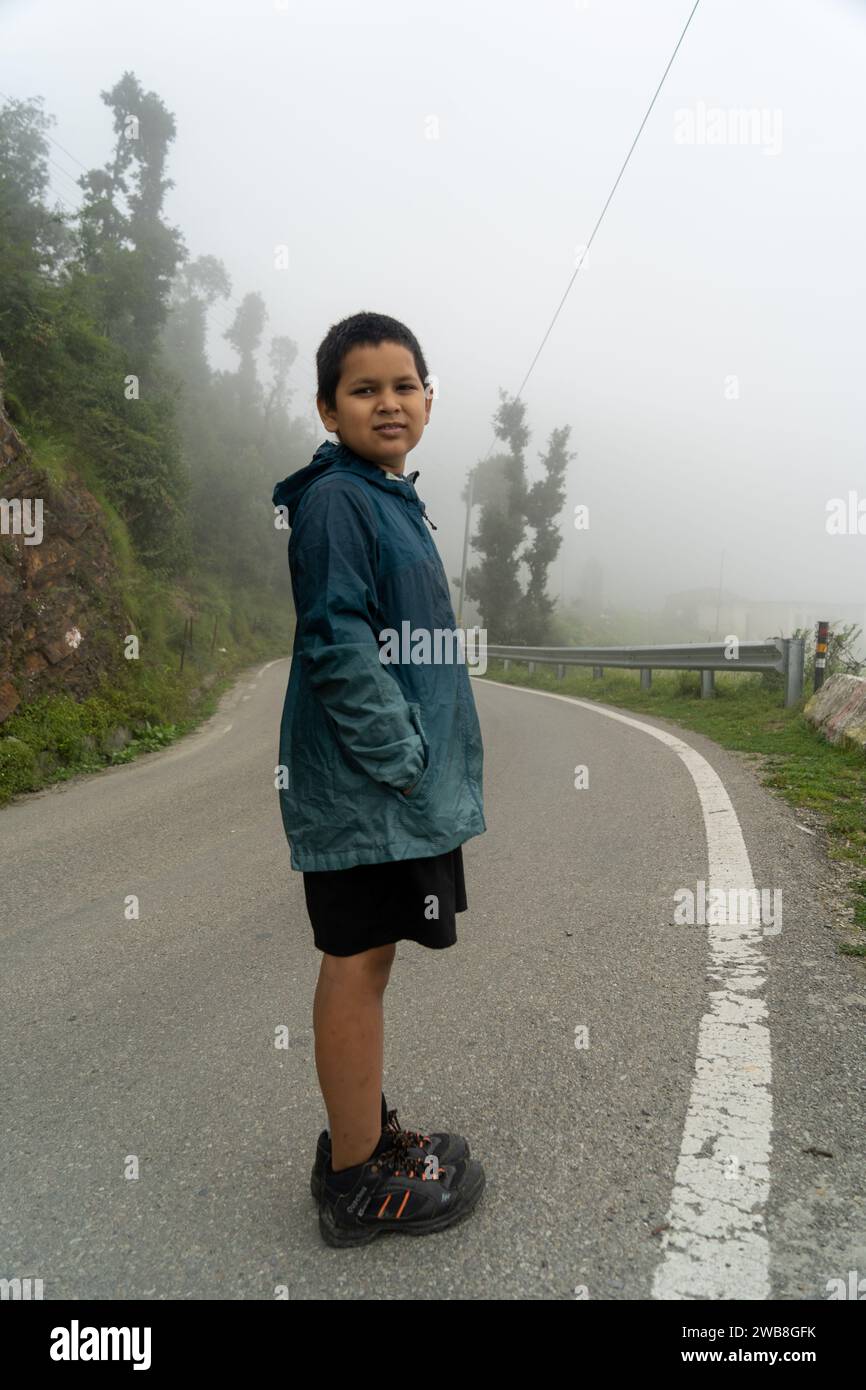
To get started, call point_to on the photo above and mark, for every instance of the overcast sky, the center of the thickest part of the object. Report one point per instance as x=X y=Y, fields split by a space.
x=444 y=162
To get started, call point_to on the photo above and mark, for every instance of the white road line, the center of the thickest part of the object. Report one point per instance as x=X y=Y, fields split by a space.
x=716 y=1246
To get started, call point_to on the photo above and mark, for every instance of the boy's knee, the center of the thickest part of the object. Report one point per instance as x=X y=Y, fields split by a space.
x=366 y=967
x=378 y=961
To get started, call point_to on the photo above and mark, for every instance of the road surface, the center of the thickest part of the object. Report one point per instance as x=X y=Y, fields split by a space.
x=663 y=1110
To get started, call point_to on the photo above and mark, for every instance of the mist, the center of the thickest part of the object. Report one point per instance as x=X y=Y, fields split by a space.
x=445 y=165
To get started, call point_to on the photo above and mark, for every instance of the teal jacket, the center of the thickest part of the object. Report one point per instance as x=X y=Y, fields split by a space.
x=355 y=729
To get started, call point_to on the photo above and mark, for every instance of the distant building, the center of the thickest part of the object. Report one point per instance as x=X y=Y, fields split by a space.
x=705 y=615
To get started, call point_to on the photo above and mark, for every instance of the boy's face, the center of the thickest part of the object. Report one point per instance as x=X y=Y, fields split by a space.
x=378 y=385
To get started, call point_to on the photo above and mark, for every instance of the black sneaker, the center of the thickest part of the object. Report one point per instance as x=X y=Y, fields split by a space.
x=400 y=1189
x=448 y=1148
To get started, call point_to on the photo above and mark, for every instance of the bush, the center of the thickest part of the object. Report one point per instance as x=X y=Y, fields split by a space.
x=17 y=767
x=52 y=722
x=687 y=682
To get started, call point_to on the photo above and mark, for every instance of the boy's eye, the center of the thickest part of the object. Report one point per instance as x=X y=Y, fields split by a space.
x=404 y=386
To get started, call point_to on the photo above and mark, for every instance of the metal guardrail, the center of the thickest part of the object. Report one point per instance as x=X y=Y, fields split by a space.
x=783 y=654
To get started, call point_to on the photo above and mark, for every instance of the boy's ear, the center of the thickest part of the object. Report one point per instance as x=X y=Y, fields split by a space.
x=327 y=417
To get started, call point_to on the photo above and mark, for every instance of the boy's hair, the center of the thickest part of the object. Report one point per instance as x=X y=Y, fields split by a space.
x=361 y=330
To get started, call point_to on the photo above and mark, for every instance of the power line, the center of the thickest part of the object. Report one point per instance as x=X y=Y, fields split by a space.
x=599 y=221
x=71 y=177
x=592 y=235
x=56 y=166
x=609 y=197
x=69 y=155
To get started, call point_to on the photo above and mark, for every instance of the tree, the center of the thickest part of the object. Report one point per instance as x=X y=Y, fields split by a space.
x=35 y=244
x=131 y=250
x=511 y=616
x=494 y=584
x=543 y=504
x=196 y=287
x=281 y=355
x=245 y=336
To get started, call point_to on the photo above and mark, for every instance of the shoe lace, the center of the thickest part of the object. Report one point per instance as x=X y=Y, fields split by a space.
x=406 y=1153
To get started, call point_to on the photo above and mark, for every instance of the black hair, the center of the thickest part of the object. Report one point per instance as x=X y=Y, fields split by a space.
x=361 y=330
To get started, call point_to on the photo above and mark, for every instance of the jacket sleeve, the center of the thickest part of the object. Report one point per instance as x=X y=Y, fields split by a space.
x=333 y=556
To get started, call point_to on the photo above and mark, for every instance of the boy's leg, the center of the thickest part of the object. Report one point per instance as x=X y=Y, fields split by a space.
x=348 y=1022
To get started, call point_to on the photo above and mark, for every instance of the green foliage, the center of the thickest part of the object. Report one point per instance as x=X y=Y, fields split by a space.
x=840 y=655
x=66 y=339
x=17 y=768
x=103 y=327
x=542 y=505
x=494 y=584
x=508 y=506
x=61 y=724
x=55 y=736
x=687 y=683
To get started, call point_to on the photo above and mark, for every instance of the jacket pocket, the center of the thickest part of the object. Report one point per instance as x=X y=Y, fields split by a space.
x=421 y=787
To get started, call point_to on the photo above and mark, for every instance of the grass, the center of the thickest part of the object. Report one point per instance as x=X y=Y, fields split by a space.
x=746 y=715
x=55 y=737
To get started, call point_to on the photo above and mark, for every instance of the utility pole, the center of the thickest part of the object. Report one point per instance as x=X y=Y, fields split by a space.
x=465 y=546
x=719 y=595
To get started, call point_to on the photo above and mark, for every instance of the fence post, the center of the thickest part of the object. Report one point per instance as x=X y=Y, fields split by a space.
x=183 y=644
x=597 y=673
x=531 y=665
x=795 y=655
x=821 y=641
x=560 y=671
x=213 y=639
x=646 y=677
x=505 y=663
x=708 y=685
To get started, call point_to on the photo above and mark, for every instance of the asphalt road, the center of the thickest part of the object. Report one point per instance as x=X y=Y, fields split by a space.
x=706 y=1141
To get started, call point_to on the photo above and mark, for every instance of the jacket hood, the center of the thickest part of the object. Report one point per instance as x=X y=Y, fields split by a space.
x=334 y=457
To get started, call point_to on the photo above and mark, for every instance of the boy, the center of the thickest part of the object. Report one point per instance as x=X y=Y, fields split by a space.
x=385 y=771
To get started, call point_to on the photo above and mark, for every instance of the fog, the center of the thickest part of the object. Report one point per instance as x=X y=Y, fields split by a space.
x=445 y=163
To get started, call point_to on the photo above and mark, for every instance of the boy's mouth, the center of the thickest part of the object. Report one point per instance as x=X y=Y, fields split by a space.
x=389 y=429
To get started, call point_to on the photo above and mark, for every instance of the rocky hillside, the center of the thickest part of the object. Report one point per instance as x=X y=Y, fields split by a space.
x=61 y=616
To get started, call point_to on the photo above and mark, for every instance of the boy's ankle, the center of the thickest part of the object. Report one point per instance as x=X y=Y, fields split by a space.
x=341 y=1165
x=355 y=1162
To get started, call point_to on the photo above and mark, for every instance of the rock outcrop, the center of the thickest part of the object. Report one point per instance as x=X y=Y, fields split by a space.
x=838 y=710
x=61 y=615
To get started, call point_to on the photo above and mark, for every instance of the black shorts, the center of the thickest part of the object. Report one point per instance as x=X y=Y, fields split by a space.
x=355 y=909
